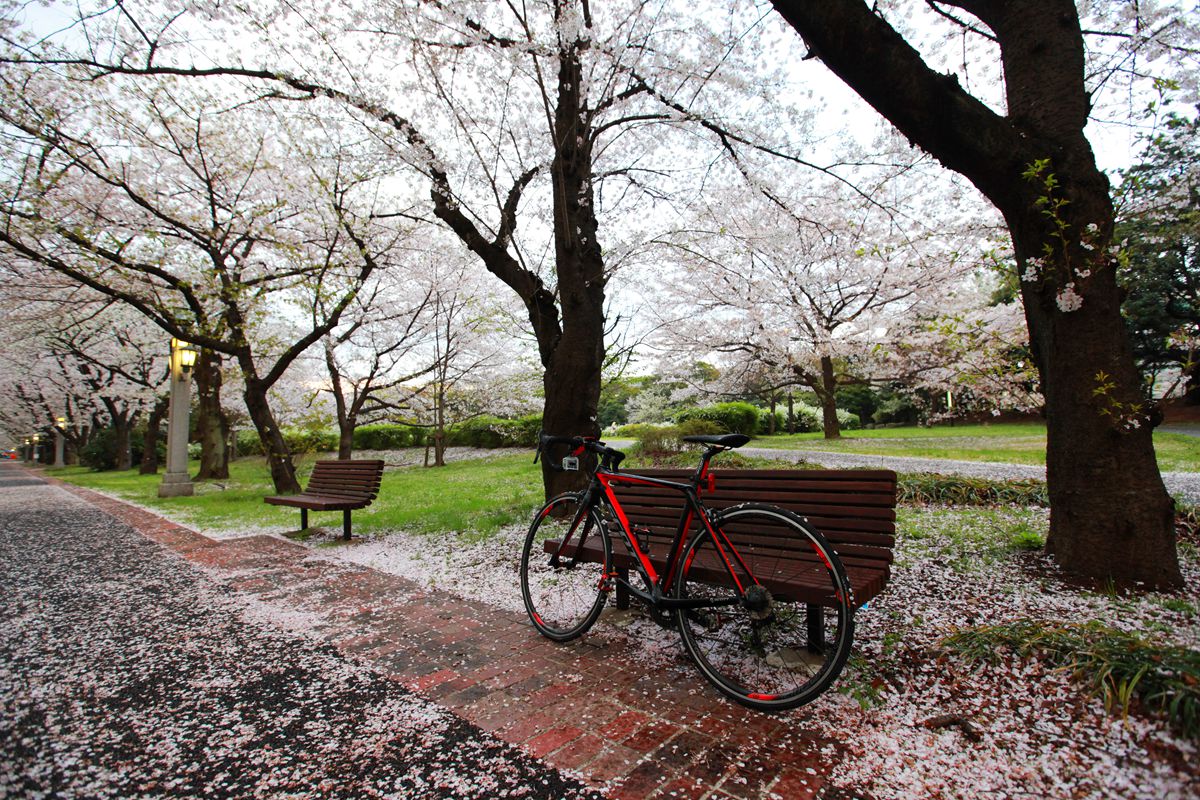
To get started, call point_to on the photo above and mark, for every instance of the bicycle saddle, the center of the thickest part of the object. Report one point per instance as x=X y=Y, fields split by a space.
x=729 y=440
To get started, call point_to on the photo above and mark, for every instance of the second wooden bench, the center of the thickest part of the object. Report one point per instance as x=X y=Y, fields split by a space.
x=341 y=485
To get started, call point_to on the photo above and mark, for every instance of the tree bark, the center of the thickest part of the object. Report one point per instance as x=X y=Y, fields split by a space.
x=212 y=425
x=573 y=370
x=1110 y=515
x=123 y=441
x=827 y=392
x=149 y=464
x=279 y=457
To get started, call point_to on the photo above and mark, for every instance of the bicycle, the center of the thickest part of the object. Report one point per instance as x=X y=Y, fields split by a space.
x=761 y=601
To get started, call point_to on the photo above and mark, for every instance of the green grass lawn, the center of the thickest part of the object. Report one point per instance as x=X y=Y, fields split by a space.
x=1014 y=443
x=479 y=495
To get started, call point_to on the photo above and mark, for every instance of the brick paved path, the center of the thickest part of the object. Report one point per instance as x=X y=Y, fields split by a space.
x=637 y=733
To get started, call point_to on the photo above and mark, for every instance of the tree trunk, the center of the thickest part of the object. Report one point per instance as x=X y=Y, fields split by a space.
x=149 y=464
x=573 y=370
x=771 y=423
x=212 y=425
x=828 y=396
x=346 y=439
x=1110 y=516
x=791 y=417
x=123 y=441
x=279 y=458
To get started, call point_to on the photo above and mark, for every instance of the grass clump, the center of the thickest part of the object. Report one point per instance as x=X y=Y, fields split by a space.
x=1117 y=665
x=927 y=488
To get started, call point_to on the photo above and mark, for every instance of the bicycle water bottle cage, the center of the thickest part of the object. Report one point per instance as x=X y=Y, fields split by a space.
x=643 y=537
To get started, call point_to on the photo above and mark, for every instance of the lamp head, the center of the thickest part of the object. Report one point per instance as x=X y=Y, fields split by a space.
x=183 y=356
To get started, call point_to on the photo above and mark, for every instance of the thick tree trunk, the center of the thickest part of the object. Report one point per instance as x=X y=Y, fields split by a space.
x=827 y=393
x=212 y=425
x=1110 y=515
x=573 y=370
x=149 y=464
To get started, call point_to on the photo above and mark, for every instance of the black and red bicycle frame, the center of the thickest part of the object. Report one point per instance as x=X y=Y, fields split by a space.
x=600 y=490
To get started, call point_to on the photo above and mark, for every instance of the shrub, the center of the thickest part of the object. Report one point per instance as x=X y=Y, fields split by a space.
x=100 y=453
x=492 y=432
x=658 y=440
x=247 y=443
x=297 y=441
x=731 y=417
x=634 y=430
x=896 y=408
x=807 y=418
x=764 y=422
x=848 y=421
x=386 y=437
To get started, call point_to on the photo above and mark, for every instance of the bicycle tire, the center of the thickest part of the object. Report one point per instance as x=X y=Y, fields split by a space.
x=767 y=657
x=564 y=599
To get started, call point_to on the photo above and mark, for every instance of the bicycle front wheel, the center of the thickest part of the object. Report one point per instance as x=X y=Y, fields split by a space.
x=782 y=638
x=563 y=566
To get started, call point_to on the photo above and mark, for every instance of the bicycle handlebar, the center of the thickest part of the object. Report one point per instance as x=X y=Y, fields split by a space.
x=610 y=457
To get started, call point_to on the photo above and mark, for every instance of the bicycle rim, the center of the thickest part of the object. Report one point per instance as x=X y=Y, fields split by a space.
x=564 y=595
x=774 y=650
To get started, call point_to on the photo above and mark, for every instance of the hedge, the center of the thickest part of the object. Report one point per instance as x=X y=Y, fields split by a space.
x=495 y=432
x=735 y=417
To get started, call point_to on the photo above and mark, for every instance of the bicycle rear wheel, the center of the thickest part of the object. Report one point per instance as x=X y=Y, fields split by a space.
x=564 y=588
x=785 y=639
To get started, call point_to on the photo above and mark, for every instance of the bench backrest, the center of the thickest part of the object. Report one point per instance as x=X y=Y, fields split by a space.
x=351 y=478
x=854 y=509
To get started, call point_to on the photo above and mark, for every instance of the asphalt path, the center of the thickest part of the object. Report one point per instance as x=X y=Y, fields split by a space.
x=126 y=672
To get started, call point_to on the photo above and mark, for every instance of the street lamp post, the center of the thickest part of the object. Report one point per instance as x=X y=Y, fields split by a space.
x=33 y=448
x=176 y=482
x=28 y=450
x=60 y=425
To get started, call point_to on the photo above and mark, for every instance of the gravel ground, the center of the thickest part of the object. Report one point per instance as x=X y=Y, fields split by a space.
x=126 y=672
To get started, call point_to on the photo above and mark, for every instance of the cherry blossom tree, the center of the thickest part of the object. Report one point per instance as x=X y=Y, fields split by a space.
x=90 y=362
x=189 y=216
x=1027 y=152
x=809 y=292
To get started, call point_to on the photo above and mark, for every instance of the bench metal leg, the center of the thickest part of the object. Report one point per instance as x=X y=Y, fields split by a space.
x=346 y=524
x=622 y=592
x=304 y=519
x=816 y=628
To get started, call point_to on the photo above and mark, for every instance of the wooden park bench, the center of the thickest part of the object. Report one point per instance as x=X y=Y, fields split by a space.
x=336 y=486
x=854 y=509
